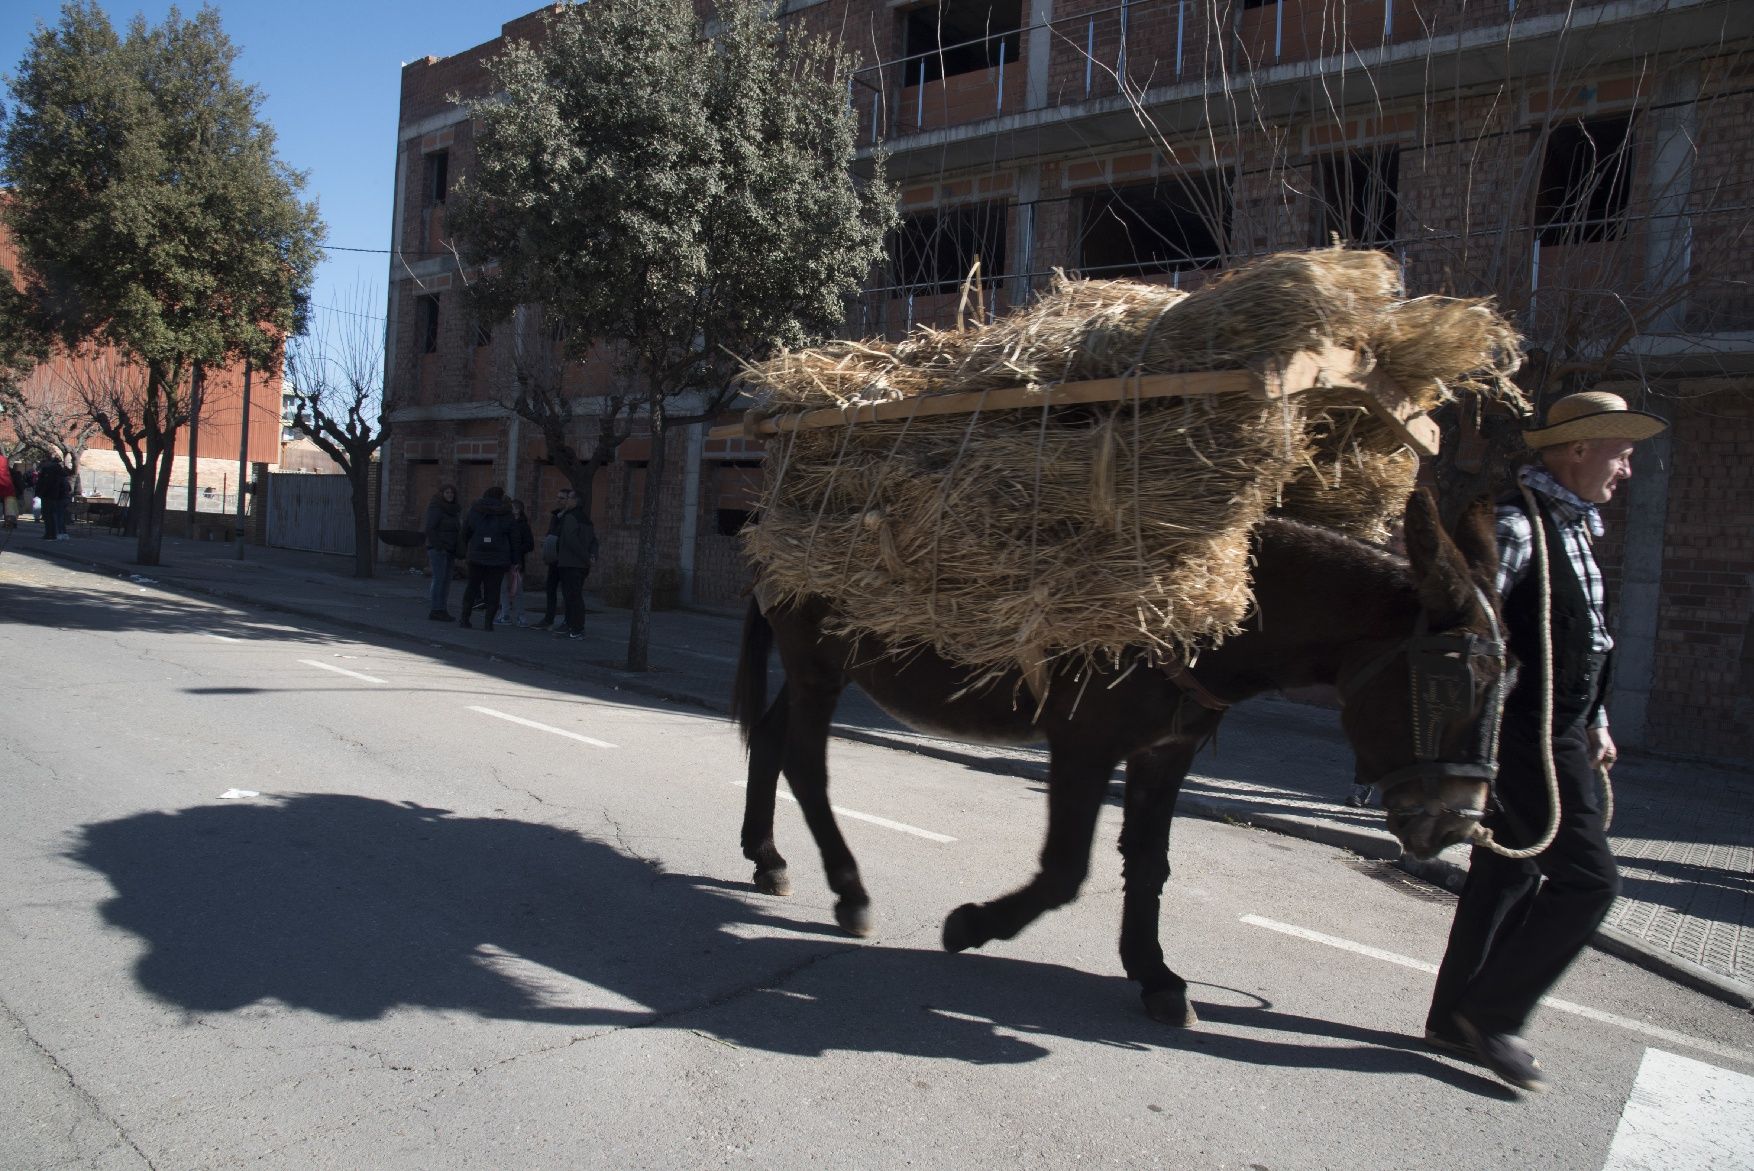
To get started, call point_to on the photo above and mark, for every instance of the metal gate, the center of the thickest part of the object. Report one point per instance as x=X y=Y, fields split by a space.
x=313 y=512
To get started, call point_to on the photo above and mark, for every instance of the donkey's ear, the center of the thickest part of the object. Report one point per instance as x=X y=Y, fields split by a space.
x=1476 y=538
x=1446 y=587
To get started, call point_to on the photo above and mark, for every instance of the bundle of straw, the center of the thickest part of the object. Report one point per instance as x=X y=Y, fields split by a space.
x=1015 y=539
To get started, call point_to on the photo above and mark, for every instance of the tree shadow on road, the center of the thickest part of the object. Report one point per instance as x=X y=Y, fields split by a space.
x=353 y=907
x=149 y=610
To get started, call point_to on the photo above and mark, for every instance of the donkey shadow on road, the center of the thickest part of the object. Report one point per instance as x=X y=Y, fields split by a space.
x=353 y=907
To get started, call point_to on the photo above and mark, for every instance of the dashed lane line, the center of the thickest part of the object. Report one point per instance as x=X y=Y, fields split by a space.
x=340 y=670
x=855 y=815
x=487 y=711
x=1655 y=1032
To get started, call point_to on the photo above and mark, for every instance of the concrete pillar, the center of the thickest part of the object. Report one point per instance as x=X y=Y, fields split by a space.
x=1037 y=48
x=1674 y=124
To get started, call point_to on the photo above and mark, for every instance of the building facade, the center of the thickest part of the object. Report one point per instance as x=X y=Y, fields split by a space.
x=1586 y=164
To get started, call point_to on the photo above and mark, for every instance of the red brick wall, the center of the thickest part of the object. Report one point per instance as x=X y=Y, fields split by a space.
x=1702 y=698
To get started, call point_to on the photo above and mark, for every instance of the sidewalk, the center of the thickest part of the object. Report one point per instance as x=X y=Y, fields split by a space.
x=1683 y=832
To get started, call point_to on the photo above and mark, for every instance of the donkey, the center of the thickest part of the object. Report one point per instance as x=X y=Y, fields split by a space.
x=1328 y=609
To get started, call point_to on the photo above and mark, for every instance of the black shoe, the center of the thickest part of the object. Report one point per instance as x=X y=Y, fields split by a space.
x=440 y=616
x=464 y=621
x=1506 y=1055
x=487 y=625
x=542 y=625
x=1449 y=1042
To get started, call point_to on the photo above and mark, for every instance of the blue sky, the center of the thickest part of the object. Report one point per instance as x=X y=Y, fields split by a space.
x=330 y=75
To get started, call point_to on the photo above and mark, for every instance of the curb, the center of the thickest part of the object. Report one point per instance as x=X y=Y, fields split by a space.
x=1376 y=845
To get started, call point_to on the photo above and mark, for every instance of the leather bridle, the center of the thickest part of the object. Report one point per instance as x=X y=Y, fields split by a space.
x=1443 y=677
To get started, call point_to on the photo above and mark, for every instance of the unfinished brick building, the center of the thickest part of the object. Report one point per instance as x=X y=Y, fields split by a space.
x=1585 y=163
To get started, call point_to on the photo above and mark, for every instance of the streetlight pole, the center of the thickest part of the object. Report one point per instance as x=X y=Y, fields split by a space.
x=243 y=459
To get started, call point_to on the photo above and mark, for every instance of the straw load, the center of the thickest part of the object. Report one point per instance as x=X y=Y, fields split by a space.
x=1026 y=538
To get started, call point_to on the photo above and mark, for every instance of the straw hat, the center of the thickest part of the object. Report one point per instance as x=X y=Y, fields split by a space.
x=1593 y=414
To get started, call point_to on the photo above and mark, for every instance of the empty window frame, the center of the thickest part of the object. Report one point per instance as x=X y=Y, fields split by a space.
x=436 y=182
x=429 y=323
x=1358 y=196
x=932 y=252
x=1585 y=175
x=958 y=36
x=1171 y=225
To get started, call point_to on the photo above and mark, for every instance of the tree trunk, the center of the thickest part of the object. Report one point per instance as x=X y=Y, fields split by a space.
x=639 y=630
x=136 y=501
x=157 y=472
x=364 y=540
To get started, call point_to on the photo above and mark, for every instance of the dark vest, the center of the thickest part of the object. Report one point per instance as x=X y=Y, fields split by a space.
x=1580 y=677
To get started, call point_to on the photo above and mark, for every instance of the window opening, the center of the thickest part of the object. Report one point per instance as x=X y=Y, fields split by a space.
x=1171 y=225
x=958 y=36
x=438 y=166
x=1584 y=181
x=932 y=252
x=1358 y=196
x=429 y=323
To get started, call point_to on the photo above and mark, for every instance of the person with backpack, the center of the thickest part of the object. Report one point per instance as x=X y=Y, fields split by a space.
x=488 y=538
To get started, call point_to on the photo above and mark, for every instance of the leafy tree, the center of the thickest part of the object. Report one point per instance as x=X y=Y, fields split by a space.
x=152 y=215
x=337 y=380
x=680 y=194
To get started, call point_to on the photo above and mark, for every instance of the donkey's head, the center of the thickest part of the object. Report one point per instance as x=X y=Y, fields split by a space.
x=1423 y=712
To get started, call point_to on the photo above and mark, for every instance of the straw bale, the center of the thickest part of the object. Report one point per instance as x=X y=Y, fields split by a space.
x=1021 y=538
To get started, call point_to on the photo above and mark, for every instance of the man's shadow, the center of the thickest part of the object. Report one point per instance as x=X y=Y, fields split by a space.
x=352 y=907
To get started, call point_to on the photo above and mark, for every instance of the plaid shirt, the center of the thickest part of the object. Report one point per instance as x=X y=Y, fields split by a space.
x=1578 y=523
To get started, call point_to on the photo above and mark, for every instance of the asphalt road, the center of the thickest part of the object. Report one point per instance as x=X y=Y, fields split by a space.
x=468 y=915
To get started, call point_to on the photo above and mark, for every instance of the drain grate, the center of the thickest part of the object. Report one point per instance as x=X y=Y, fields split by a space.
x=1392 y=875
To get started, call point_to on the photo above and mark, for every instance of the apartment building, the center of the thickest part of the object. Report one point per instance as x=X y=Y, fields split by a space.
x=1587 y=164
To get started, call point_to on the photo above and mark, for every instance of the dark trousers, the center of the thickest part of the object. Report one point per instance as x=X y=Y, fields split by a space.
x=572 y=584
x=1514 y=935
x=551 y=591
x=53 y=525
x=483 y=586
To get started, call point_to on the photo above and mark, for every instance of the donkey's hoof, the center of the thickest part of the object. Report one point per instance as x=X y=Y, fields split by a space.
x=855 y=920
x=1169 y=1006
x=773 y=882
x=962 y=928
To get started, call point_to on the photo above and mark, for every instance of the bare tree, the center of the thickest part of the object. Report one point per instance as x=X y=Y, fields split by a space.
x=335 y=376
x=114 y=396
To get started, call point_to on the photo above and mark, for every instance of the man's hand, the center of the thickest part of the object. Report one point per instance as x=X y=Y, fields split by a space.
x=1602 y=751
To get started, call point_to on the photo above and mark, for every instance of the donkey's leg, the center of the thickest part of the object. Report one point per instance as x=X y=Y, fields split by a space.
x=806 y=766
x=1154 y=781
x=767 y=746
x=1077 y=780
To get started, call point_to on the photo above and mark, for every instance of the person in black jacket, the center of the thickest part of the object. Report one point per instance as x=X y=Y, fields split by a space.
x=488 y=537
x=523 y=543
x=52 y=485
x=1520 y=923
x=444 y=534
x=566 y=498
x=577 y=552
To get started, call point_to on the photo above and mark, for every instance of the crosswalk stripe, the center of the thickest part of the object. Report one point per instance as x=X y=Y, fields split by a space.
x=1682 y=1115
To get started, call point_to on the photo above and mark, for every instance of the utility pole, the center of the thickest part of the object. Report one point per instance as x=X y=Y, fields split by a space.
x=243 y=459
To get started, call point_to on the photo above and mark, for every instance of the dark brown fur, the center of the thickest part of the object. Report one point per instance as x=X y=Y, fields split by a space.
x=1324 y=605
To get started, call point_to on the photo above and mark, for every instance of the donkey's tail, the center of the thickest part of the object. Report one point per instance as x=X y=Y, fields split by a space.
x=749 y=691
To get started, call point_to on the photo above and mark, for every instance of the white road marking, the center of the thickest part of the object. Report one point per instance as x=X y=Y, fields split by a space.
x=221 y=637
x=340 y=670
x=487 y=711
x=1684 y=1114
x=854 y=814
x=1655 y=1032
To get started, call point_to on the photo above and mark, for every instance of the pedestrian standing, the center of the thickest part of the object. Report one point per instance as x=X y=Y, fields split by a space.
x=8 y=493
x=487 y=537
x=51 y=484
x=444 y=534
x=1514 y=935
x=523 y=544
x=551 y=556
x=577 y=552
